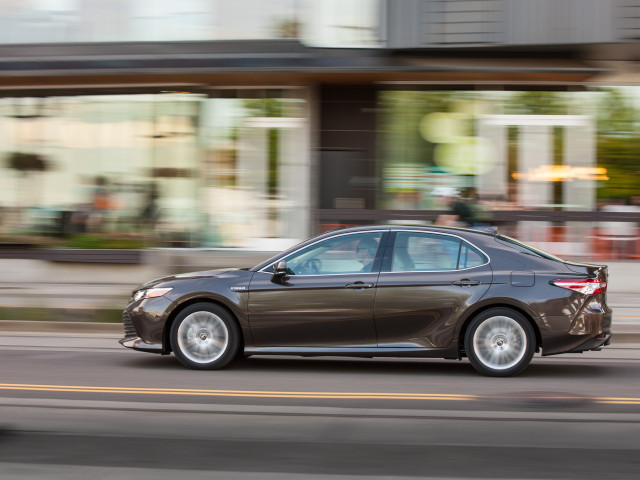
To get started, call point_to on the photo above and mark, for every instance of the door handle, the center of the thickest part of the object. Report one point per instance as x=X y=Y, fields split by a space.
x=466 y=282
x=359 y=285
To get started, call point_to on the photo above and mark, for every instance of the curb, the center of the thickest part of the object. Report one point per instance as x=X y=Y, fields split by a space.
x=624 y=338
x=25 y=326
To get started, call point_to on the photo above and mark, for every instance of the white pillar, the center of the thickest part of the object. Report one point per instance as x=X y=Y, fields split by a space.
x=252 y=179
x=579 y=152
x=494 y=182
x=535 y=149
x=293 y=184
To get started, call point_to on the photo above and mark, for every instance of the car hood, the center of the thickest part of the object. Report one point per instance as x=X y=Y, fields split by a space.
x=226 y=273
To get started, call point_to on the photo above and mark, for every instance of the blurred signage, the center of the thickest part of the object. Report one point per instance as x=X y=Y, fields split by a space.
x=561 y=173
x=416 y=177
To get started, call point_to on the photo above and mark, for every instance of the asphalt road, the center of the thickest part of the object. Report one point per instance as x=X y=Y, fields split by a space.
x=84 y=407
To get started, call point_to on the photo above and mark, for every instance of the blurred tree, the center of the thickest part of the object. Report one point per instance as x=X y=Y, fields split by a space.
x=620 y=156
x=618 y=145
x=264 y=107
x=29 y=193
x=400 y=123
x=616 y=114
x=269 y=107
x=537 y=103
x=27 y=162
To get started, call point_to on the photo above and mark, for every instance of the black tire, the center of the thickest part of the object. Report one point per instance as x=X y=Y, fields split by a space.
x=500 y=342
x=204 y=336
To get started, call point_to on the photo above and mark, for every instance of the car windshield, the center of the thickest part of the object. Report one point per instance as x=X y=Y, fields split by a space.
x=512 y=242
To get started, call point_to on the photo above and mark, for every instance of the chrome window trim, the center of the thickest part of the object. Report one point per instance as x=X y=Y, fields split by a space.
x=382 y=231
x=439 y=271
x=331 y=274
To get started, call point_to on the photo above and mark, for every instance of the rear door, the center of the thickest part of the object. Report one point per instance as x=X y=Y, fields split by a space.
x=427 y=282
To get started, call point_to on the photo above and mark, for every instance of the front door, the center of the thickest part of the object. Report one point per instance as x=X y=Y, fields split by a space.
x=325 y=300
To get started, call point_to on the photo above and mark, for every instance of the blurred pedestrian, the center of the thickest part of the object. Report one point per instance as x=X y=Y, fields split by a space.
x=461 y=214
x=101 y=203
x=150 y=211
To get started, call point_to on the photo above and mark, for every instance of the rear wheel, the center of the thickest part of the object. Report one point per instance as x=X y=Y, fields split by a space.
x=500 y=342
x=204 y=337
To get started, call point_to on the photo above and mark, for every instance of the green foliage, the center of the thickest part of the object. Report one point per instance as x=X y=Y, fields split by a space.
x=619 y=155
x=616 y=115
x=537 y=103
x=44 y=314
x=106 y=241
x=264 y=107
x=403 y=111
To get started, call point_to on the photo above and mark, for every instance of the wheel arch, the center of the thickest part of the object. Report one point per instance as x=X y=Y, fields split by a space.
x=484 y=308
x=166 y=333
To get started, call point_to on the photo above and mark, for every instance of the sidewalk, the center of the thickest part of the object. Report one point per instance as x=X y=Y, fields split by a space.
x=32 y=289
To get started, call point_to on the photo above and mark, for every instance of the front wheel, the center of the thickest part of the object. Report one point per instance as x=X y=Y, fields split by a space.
x=500 y=342
x=204 y=337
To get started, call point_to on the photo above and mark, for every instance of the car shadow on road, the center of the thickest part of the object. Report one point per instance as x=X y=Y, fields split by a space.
x=435 y=367
x=375 y=367
x=569 y=370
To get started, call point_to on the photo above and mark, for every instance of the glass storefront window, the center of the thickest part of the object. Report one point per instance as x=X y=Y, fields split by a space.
x=179 y=170
x=342 y=23
x=514 y=149
x=68 y=21
x=326 y=23
x=473 y=152
x=99 y=165
x=76 y=165
x=256 y=168
x=166 y=20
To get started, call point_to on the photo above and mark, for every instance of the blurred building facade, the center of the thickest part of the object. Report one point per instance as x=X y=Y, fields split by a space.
x=213 y=123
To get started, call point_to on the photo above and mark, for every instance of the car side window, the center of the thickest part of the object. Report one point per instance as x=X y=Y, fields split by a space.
x=352 y=253
x=471 y=257
x=415 y=252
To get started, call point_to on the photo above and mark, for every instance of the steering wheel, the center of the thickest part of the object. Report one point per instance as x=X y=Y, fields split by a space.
x=312 y=266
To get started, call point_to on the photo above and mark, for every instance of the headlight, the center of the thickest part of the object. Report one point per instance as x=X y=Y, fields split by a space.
x=150 y=293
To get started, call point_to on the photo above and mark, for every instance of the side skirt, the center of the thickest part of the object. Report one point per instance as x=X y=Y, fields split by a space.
x=367 y=352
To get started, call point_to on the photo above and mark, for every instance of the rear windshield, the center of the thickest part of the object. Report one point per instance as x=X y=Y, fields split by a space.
x=512 y=242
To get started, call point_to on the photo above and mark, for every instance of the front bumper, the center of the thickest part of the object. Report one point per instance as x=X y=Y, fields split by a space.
x=136 y=343
x=132 y=339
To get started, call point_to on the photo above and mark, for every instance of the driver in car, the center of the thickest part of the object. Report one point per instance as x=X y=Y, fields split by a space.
x=366 y=252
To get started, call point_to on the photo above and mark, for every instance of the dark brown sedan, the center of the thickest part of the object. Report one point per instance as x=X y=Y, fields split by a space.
x=380 y=292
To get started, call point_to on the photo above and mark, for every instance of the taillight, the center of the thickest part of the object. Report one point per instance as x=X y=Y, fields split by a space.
x=589 y=286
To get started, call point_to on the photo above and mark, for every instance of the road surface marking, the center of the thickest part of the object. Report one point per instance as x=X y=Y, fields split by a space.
x=234 y=393
x=618 y=401
x=285 y=394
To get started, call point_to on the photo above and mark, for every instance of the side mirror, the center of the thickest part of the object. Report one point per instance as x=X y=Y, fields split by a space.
x=280 y=268
x=280 y=272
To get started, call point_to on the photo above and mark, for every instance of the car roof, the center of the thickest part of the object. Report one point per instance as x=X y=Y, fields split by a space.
x=426 y=228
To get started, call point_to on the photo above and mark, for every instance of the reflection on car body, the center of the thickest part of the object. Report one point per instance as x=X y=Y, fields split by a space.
x=380 y=291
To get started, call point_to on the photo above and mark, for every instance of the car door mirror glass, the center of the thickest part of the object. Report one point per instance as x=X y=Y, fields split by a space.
x=280 y=268
x=281 y=273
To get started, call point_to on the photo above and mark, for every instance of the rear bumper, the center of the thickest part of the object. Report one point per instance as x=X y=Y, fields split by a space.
x=596 y=343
